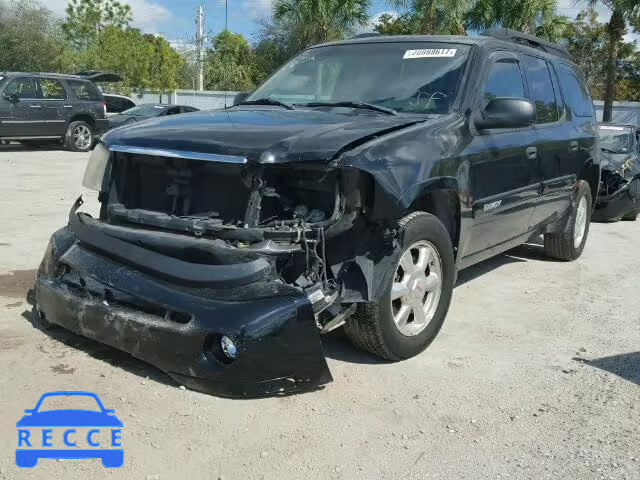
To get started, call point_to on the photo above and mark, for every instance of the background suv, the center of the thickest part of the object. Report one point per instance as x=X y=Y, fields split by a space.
x=44 y=106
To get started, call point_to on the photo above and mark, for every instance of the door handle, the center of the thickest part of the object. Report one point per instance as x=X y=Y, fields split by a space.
x=35 y=106
x=67 y=106
x=573 y=146
x=532 y=153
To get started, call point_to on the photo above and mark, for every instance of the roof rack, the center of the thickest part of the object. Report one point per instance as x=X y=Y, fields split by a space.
x=528 y=40
x=365 y=35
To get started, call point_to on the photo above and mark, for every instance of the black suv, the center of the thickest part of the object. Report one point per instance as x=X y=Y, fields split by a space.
x=36 y=107
x=347 y=190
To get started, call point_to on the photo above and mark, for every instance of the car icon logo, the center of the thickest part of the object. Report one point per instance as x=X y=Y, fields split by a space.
x=69 y=433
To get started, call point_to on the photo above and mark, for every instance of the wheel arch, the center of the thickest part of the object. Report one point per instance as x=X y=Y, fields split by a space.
x=592 y=173
x=83 y=117
x=441 y=199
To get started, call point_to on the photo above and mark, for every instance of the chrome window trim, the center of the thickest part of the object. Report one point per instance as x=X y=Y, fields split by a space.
x=162 y=152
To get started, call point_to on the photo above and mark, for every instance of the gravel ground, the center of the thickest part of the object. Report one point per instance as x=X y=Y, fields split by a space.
x=534 y=375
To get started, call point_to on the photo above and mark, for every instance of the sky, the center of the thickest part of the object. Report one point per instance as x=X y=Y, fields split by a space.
x=175 y=19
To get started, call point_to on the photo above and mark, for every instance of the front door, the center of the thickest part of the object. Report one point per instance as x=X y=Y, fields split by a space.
x=23 y=117
x=503 y=177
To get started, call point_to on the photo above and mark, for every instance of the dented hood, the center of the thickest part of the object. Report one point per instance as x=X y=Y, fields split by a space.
x=273 y=135
x=620 y=161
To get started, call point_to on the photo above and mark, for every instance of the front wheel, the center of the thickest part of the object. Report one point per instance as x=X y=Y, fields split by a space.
x=409 y=314
x=568 y=245
x=79 y=137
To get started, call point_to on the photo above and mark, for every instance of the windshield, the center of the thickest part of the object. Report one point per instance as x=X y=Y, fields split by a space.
x=147 y=110
x=615 y=139
x=419 y=77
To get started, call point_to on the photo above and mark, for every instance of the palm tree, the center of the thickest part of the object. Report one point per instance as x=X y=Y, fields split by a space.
x=537 y=17
x=317 y=21
x=621 y=12
x=436 y=17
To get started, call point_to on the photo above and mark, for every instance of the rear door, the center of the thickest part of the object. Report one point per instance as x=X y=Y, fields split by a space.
x=24 y=118
x=502 y=166
x=558 y=148
x=54 y=105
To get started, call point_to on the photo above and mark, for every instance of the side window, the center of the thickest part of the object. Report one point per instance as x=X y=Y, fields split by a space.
x=84 y=90
x=23 y=87
x=541 y=89
x=173 y=111
x=575 y=91
x=52 y=89
x=504 y=80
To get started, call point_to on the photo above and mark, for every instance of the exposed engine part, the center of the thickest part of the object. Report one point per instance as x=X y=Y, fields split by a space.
x=316 y=216
x=340 y=315
x=301 y=212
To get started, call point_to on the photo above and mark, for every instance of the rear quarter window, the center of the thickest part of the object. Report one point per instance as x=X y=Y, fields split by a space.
x=85 y=90
x=575 y=93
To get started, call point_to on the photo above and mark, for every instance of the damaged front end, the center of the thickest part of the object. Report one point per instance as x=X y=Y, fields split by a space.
x=220 y=271
x=619 y=195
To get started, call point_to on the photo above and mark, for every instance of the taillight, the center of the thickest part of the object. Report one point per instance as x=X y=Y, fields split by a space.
x=104 y=109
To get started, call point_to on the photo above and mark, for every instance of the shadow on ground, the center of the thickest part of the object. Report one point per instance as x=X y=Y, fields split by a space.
x=625 y=365
x=36 y=147
x=97 y=350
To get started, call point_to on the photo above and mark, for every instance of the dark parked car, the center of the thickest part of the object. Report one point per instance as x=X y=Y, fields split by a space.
x=117 y=103
x=620 y=187
x=147 y=111
x=36 y=107
x=348 y=189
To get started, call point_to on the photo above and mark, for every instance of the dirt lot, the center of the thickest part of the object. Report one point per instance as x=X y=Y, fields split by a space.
x=535 y=374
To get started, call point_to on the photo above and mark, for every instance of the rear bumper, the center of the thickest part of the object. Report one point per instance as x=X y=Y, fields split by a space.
x=178 y=328
x=621 y=203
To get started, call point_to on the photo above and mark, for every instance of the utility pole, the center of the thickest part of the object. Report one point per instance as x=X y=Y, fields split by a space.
x=200 y=39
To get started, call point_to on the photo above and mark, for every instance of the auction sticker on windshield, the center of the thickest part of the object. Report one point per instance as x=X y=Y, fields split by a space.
x=431 y=53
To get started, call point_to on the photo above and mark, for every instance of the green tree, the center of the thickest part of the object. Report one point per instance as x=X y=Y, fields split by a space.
x=587 y=41
x=536 y=17
x=622 y=11
x=31 y=38
x=317 y=21
x=404 y=24
x=88 y=19
x=430 y=17
x=229 y=65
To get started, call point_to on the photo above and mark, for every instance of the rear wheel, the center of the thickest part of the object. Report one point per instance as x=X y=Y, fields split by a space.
x=569 y=245
x=79 y=137
x=408 y=316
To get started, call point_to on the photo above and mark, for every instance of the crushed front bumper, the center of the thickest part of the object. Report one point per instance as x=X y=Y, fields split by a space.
x=178 y=328
x=619 y=204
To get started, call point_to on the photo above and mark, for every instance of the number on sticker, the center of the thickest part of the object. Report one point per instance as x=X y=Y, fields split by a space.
x=431 y=53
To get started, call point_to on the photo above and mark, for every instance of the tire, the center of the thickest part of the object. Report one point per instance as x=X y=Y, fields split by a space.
x=631 y=216
x=373 y=329
x=79 y=137
x=569 y=245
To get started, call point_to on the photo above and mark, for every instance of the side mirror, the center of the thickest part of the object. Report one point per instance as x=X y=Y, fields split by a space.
x=239 y=98
x=12 y=97
x=28 y=410
x=506 y=112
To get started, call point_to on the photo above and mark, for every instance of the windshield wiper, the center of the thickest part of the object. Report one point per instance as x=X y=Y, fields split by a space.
x=268 y=101
x=609 y=150
x=368 y=106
